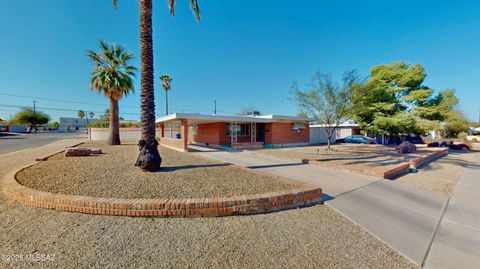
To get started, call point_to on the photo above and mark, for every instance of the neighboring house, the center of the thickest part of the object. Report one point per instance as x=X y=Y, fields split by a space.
x=253 y=131
x=73 y=124
x=318 y=134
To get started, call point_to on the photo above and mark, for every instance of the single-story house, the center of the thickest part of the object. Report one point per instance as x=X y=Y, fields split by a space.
x=252 y=131
x=318 y=134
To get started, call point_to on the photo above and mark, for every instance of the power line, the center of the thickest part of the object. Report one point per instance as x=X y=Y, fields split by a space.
x=56 y=100
x=64 y=109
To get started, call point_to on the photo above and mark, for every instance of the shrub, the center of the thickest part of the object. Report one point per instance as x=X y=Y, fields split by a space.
x=462 y=136
x=106 y=124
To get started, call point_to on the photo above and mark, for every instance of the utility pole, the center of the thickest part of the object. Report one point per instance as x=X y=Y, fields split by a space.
x=34 y=117
x=215 y=106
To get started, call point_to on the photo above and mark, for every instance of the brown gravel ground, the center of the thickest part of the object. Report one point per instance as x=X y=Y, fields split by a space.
x=440 y=175
x=314 y=237
x=352 y=157
x=113 y=175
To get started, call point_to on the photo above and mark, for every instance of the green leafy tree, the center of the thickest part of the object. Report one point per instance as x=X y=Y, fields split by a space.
x=166 y=85
x=54 y=124
x=31 y=118
x=112 y=76
x=455 y=124
x=149 y=158
x=327 y=101
x=81 y=114
x=382 y=104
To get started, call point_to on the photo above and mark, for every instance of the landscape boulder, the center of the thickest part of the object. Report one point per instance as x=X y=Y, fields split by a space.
x=406 y=147
x=433 y=145
x=96 y=151
x=72 y=152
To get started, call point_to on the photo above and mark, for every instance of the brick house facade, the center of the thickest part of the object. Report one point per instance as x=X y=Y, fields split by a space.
x=233 y=131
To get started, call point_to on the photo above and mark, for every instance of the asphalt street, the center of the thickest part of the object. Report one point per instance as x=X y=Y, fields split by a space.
x=11 y=143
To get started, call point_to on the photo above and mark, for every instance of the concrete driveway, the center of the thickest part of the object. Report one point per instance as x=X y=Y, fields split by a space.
x=402 y=216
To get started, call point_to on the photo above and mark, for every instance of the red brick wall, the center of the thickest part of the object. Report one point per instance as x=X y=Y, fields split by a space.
x=209 y=133
x=275 y=133
x=282 y=133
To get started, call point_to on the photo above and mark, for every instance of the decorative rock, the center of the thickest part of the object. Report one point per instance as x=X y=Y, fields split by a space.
x=72 y=152
x=406 y=147
x=96 y=151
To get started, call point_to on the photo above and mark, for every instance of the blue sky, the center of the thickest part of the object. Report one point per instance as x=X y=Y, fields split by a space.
x=243 y=53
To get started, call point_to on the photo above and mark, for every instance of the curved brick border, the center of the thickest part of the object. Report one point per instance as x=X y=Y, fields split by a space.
x=190 y=207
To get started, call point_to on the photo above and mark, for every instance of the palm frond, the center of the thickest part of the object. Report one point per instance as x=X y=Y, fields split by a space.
x=171 y=7
x=195 y=9
x=112 y=74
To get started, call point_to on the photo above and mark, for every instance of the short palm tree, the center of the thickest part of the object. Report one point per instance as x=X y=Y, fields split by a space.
x=149 y=158
x=113 y=76
x=166 y=84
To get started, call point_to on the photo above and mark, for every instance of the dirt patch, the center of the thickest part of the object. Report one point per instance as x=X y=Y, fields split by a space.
x=113 y=174
x=441 y=175
x=360 y=158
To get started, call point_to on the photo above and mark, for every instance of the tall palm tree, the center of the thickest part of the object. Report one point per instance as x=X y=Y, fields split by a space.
x=149 y=158
x=166 y=84
x=112 y=75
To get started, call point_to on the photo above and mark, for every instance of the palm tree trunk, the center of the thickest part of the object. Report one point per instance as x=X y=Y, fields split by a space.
x=166 y=102
x=114 y=128
x=149 y=158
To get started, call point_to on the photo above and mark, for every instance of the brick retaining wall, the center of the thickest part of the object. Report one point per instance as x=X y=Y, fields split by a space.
x=187 y=207
x=417 y=162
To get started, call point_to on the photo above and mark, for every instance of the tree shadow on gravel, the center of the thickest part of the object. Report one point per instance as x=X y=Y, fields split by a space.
x=181 y=167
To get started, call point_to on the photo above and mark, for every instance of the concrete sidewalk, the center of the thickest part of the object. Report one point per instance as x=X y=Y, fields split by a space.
x=402 y=216
x=457 y=241
x=333 y=182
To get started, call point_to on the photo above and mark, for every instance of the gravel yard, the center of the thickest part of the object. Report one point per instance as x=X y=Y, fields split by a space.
x=113 y=175
x=314 y=237
x=441 y=175
x=359 y=158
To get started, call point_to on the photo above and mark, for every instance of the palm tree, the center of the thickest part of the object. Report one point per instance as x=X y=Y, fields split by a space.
x=166 y=84
x=91 y=114
x=149 y=158
x=113 y=76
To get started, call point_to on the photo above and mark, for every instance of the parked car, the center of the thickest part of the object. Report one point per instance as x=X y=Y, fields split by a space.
x=414 y=139
x=459 y=146
x=359 y=139
x=3 y=128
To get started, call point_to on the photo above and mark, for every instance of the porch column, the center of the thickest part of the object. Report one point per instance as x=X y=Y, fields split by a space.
x=184 y=134
x=162 y=130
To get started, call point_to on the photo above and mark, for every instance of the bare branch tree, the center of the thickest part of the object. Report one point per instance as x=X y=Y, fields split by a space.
x=326 y=101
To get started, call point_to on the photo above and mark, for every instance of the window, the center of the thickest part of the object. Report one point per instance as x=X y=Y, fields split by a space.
x=296 y=127
x=241 y=129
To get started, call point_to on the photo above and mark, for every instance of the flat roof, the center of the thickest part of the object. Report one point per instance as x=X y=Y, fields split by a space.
x=203 y=118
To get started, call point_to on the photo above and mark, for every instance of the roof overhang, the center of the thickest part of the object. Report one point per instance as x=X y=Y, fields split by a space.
x=203 y=118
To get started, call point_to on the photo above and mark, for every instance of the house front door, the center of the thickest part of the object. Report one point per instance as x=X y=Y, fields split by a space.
x=261 y=132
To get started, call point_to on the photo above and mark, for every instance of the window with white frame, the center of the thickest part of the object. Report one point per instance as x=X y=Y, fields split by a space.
x=242 y=129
